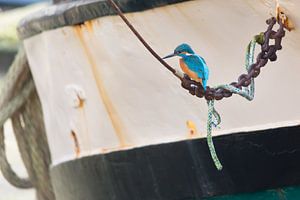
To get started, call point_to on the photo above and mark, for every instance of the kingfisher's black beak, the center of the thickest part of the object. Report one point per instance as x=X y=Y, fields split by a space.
x=169 y=56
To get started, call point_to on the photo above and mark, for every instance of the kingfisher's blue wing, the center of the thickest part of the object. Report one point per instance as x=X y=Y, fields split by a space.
x=202 y=59
x=198 y=65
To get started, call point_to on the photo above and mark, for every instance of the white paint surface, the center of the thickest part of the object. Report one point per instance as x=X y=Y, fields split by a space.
x=131 y=100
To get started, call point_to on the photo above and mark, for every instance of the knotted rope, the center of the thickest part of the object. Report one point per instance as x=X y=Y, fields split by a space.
x=214 y=118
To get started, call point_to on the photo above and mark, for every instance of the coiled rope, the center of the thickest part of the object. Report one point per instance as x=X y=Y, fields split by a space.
x=20 y=103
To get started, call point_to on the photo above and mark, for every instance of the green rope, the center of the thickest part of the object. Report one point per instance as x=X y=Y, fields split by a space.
x=211 y=111
x=214 y=118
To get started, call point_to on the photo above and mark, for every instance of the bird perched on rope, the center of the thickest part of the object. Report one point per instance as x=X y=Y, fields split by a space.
x=191 y=64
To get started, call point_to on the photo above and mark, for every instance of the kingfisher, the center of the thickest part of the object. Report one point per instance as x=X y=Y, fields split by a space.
x=191 y=64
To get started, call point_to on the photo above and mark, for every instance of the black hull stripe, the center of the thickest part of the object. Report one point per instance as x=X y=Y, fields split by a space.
x=181 y=170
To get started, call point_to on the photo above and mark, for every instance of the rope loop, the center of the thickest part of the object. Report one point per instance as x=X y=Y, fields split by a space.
x=214 y=118
x=7 y=170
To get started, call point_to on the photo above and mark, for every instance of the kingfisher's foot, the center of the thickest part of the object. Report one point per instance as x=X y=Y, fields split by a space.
x=186 y=77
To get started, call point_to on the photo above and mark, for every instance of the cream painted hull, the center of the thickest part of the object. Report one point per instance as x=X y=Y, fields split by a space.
x=101 y=91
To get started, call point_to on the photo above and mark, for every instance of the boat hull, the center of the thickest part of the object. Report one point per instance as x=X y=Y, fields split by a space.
x=120 y=126
x=253 y=161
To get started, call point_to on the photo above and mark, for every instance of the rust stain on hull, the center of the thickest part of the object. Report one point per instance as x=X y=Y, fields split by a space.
x=76 y=143
x=115 y=120
x=193 y=133
x=81 y=102
x=280 y=15
x=89 y=26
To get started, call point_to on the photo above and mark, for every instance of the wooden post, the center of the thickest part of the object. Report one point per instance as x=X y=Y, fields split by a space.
x=60 y=1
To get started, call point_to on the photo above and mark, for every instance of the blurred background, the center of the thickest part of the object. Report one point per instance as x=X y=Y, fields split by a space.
x=11 y=11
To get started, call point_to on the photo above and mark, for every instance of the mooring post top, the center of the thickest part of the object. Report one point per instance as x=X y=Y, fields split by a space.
x=73 y=12
x=60 y=1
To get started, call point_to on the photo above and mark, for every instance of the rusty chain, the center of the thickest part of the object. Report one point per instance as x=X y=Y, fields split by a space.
x=268 y=52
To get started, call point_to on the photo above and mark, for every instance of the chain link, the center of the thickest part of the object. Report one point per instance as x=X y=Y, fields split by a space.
x=268 y=52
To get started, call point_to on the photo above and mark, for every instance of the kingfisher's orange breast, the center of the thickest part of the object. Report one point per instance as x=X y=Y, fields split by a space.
x=189 y=72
